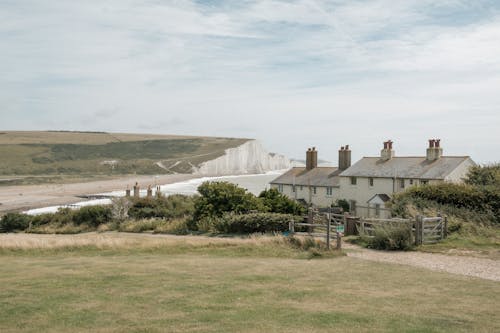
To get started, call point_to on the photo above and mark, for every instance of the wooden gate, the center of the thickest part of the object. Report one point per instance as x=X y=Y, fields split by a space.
x=426 y=230
x=325 y=225
x=430 y=230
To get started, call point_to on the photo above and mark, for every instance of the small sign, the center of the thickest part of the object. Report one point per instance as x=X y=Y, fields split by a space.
x=340 y=228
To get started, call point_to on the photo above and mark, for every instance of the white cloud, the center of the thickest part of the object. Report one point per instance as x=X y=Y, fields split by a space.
x=291 y=73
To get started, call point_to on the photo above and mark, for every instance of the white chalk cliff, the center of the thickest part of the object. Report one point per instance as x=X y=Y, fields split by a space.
x=249 y=158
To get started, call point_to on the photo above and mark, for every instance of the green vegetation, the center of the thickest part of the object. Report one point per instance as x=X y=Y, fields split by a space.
x=218 y=198
x=14 y=222
x=276 y=202
x=472 y=209
x=227 y=285
x=221 y=208
x=44 y=155
x=173 y=206
x=231 y=223
x=390 y=237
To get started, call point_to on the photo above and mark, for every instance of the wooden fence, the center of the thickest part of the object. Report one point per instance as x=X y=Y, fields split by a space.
x=327 y=225
x=426 y=230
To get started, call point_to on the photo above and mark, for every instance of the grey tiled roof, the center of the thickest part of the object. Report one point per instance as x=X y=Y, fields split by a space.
x=405 y=167
x=320 y=176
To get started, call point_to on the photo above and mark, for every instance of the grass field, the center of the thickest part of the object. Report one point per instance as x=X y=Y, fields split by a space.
x=141 y=283
x=87 y=154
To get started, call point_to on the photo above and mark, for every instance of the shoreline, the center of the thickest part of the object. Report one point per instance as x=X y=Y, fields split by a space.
x=25 y=197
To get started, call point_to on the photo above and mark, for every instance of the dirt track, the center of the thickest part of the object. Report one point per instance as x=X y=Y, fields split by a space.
x=476 y=267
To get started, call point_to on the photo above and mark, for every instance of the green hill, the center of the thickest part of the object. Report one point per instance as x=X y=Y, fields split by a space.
x=98 y=153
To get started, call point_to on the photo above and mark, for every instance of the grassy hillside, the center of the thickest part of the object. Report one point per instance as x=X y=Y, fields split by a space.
x=99 y=153
x=149 y=284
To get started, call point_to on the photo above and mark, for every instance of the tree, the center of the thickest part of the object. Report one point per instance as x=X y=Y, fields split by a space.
x=276 y=202
x=487 y=175
x=220 y=197
x=14 y=222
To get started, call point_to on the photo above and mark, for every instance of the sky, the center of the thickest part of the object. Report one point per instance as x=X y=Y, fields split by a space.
x=292 y=74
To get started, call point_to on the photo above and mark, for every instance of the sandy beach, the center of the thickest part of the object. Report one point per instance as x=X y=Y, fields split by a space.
x=24 y=197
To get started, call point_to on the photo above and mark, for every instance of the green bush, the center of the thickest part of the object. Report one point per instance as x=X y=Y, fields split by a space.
x=173 y=206
x=14 y=222
x=218 y=198
x=488 y=175
x=276 y=202
x=252 y=223
x=343 y=203
x=482 y=200
x=93 y=215
x=391 y=237
x=42 y=219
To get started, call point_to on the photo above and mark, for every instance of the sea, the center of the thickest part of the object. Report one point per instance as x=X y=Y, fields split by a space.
x=255 y=184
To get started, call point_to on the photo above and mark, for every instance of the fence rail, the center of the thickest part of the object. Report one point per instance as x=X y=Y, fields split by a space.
x=426 y=230
x=328 y=227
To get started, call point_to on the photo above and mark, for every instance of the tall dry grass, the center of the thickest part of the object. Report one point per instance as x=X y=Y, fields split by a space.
x=115 y=240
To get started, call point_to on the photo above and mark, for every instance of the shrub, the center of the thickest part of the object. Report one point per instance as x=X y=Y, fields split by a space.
x=488 y=175
x=175 y=227
x=252 y=223
x=14 y=222
x=343 y=203
x=42 y=219
x=93 y=215
x=173 y=206
x=140 y=225
x=391 y=237
x=276 y=202
x=218 y=198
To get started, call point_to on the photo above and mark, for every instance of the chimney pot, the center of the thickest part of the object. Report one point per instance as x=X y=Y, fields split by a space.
x=346 y=147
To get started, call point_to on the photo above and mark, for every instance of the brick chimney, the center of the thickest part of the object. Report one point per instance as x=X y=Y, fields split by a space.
x=434 y=151
x=344 y=158
x=387 y=153
x=311 y=158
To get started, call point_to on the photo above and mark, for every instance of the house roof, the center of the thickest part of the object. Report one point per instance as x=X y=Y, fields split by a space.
x=320 y=176
x=404 y=167
x=384 y=197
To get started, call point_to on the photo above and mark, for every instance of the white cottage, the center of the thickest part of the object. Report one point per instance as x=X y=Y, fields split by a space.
x=370 y=183
x=311 y=184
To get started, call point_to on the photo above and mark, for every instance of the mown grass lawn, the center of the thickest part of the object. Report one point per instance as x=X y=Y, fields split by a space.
x=231 y=288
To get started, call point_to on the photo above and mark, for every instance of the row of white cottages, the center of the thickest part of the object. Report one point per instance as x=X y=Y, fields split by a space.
x=371 y=182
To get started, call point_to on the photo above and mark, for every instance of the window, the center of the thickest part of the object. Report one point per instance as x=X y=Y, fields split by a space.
x=314 y=189
x=370 y=181
x=424 y=182
x=354 y=180
x=280 y=188
x=329 y=190
x=301 y=187
x=401 y=183
x=377 y=210
x=293 y=188
x=411 y=181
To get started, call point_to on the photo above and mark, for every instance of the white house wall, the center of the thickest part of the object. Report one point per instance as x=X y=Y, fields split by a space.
x=457 y=175
x=320 y=199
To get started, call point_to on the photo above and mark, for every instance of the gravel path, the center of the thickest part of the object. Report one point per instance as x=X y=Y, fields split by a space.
x=477 y=267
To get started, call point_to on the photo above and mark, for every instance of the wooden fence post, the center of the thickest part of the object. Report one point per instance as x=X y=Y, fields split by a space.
x=291 y=226
x=417 y=230
x=328 y=225
x=310 y=219
x=445 y=231
x=339 y=241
